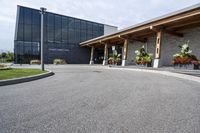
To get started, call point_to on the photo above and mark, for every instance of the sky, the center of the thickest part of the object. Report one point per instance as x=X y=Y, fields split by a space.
x=113 y=12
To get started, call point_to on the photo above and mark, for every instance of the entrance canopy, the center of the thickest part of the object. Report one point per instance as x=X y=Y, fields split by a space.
x=172 y=23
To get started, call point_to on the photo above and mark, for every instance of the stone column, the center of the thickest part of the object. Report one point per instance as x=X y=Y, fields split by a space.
x=125 y=52
x=105 y=60
x=92 y=56
x=156 y=63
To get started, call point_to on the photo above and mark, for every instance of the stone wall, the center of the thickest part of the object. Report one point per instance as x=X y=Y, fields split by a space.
x=169 y=46
x=137 y=45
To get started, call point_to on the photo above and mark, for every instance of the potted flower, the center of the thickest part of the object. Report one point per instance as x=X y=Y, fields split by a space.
x=115 y=58
x=143 y=58
x=195 y=64
x=185 y=59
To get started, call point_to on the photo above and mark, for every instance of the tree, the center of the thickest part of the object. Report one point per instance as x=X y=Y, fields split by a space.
x=10 y=57
x=4 y=54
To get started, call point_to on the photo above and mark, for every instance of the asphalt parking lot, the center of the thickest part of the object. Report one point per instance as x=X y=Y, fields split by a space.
x=87 y=99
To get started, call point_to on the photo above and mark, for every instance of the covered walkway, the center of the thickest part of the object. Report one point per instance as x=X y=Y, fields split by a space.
x=160 y=36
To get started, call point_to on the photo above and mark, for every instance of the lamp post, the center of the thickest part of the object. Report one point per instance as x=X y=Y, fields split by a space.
x=42 y=12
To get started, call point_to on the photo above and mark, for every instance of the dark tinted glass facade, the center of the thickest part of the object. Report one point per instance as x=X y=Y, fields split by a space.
x=62 y=35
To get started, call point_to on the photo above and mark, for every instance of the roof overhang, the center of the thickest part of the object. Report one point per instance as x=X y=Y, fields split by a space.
x=171 y=23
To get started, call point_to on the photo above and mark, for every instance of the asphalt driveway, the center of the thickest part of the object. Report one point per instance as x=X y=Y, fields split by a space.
x=85 y=99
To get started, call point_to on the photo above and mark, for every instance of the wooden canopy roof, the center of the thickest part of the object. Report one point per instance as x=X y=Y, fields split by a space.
x=172 y=23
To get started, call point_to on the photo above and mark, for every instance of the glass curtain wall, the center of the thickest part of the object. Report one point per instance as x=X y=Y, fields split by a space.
x=62 y=35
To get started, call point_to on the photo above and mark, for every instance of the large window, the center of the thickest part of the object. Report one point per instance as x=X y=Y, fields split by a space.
x=19 y=47
x=27 y=48
x=83 y=30
x=50 y=33
x=20 y=32
x=35 y=48
x=95 y=30
x=50 y=27
x=36 y=17
x=101 y=30
x=27 y=32
x=27 y=16
x=64 y=29
x=71 y=35
x=21 y=15
x=36 y=33
x=77 y=31
x=58 y=28
x=50 y=19
x=89 y=30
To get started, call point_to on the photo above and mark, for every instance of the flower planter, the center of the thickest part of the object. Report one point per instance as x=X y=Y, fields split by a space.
x=186 y=66
x=110 y=62
x=148 y=65
x=143 y=58
x=145 y=65
x=185 y=59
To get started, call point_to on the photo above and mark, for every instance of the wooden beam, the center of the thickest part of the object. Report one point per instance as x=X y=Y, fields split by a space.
x=102 y=42
x=99 y=46
x=177 y=25
x=117 y=42
x=139 y=39
x=131 y=38
x=157 y=29
x=187 y=27
x=148 y=35
x=173 y=33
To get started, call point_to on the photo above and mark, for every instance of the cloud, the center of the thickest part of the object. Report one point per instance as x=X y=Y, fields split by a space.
x=114 y=12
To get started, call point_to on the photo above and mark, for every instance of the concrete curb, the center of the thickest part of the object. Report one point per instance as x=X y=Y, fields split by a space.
x=166 y=73
x=25 y=79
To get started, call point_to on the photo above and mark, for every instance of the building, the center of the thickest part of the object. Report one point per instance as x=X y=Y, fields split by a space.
x=160 y=36
x=62 y=35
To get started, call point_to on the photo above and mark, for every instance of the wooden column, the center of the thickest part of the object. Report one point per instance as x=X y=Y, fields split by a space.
x=92 y=56
x=158 y=49
x=158 y=44
x=125 y=52
x=105 y=60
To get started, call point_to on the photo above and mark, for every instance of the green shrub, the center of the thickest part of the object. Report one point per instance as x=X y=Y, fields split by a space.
x=59 y=61
x=2 y=65
x=35 y=62
x=115 y=58
x=10 y=57
x=185 y=55
x=6 y=57
x=142 y=57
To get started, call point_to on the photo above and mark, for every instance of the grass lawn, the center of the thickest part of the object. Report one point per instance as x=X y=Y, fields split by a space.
x=18 y=72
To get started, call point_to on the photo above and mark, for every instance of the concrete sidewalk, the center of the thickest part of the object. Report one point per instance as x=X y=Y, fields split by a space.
x=169 y=69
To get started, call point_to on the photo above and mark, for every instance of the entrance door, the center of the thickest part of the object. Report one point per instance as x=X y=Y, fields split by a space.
x=98 y=56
